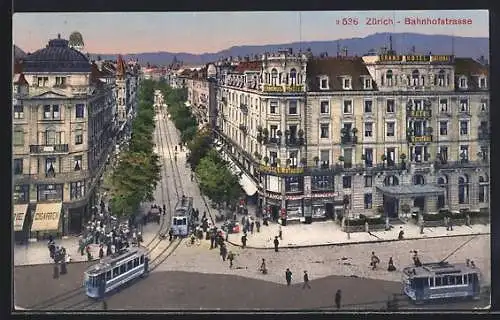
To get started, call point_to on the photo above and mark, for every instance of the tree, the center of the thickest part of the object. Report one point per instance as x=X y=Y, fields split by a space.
x=199 y=148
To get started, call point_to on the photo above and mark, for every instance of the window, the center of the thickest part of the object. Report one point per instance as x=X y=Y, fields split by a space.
x=123 y=269
x=50 y=137
x=390 y=106
x=320 y=183
x=438 y=281
x=294 y=184
x=368 y=129
x=50 y=166
x=443 y=128
x=414 y=78
x=46 y=112
x=293 y=77
x=464 y=152
x=346 y=182
x=346 y=84
x=368 y=181
x=418 y=179
x=464 y=128
x=324 y=83
x=324 y=107
x=292 y=107
x=116 y=272
x=130 y=265
x=55 y=112
x=483 y=189
x=18 y=166
x=391 y=181
x=324 y=131
x=60 y=81
x=464 y=105
x=274 y=77
x=443 y=105
x=347 y=106
x=77 y=190
x=136 y=262
x=391 y=156
x=463 y=190
x=18 y=112
x=368 y=83
x=463 y=83
x=78 y=136
x=43 y=81
x=482 y=83
x=79 y=110
x=443 y=153
x=441 y=77
x=368 y=106
x=273 y=106
x=18 y=137
x=390 y=129
x=368 y=200
x=368 y=157
x=77 y=163
x=388 y=77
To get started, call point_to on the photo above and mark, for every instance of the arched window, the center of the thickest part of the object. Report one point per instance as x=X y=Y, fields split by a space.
x=388 y=76
x=274 y=77
x=442 y=182
x=418 y=179
x=463 y=189
x=483 y=189
x=391 y=181
x=293 y=77
x=414 y=77
x=441 y=77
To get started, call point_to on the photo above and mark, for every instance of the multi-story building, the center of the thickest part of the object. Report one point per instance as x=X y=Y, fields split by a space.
x=378 y=131
x=127 y=80
x=62 y=136
x=202 y=90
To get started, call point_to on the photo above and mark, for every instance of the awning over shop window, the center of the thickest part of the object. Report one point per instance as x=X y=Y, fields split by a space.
x=47 y=216
x=248 y=185
x=19 y=212
x=411 y=190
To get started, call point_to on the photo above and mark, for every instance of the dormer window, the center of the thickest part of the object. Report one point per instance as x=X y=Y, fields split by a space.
x=441 y=77
x=323 y=83
x=60 y=81
x=462 y=83
x=482 y=83
x=388 y=77
x=293 y=77
x=43 y=81
x=414 y=78
x=368 y=83
x=346 y=84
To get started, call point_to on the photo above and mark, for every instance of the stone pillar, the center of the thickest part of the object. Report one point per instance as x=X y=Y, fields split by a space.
x=65 y=221
x=283 y=192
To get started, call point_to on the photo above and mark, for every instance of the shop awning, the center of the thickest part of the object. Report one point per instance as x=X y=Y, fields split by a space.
x=248 y=185
x=411 y=190
x=19 y=212
x=47 y=216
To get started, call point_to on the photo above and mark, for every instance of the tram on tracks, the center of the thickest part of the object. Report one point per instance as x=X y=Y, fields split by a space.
x=115 y=271
x=182 y=219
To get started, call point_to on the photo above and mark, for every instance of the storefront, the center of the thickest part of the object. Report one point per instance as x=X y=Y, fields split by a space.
x=20 y=211
x=47 y=220
x=294 y=207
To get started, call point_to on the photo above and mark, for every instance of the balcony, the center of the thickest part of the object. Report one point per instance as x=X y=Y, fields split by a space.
x=420 y=139
x=294 y=142
x=224 y=100
x=294 y=88
x=326 y=169
x=244 y=108
x=55 y=148
x=348 y=140
x=420 y=113
x=243 y=128
x=272 y=88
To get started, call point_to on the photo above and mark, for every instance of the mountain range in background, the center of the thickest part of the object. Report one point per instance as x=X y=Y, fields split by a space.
x=402 y=43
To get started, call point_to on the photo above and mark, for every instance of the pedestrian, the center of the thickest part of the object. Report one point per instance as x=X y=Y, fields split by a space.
x=391 y=266
x=374 y=261
x=104 y=305
x=288 y=276
x=280 y=232
x=223 y=249
x=306 y=281
x=263 y=267
x=244 y=240
x=252 y=225
x=230 y=257
x=276 y=243
x=212 y=240
x=170 y=234
x=257 y=225
x=401 y=234
x=164 y=209
x=338 y=298
x=101 y=252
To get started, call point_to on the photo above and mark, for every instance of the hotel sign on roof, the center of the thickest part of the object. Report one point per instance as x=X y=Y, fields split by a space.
x=416 y=58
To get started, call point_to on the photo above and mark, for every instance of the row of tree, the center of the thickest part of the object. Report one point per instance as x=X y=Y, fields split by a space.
x=215 y=179
x=138 y=170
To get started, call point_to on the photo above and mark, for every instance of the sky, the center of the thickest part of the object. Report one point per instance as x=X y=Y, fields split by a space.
x=202 y=32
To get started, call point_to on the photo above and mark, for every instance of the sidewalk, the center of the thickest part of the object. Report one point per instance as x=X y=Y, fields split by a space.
x=329 y=233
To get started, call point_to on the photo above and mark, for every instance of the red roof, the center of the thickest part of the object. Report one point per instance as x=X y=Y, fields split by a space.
x=121 y=67
x=248 y=66
x=20 y=79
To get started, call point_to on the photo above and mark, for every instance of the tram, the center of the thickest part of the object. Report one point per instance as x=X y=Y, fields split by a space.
x=115 y=271
x=441 y=280
x=182 y=217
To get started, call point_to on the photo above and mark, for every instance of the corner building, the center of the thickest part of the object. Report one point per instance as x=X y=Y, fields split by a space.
x=381 y=131
x=62 y=136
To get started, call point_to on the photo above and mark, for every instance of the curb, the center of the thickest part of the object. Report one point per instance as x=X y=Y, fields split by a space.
x=356 y=242
x=51 y=264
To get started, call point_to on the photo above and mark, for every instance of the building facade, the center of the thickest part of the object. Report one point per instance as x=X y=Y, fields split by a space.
x=315 y=133
x=62 y=136
x=202 y=90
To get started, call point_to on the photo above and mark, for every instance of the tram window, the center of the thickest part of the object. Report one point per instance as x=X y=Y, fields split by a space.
x=458 y=280
x=142 y=259
x=100 y=279
x=445 y=281
x=465 y=279
x=123 y=268
x=183 y=221
x=451 y=280
x=130 y=265
x=116 y=272
x=108 y=275
x=136 y=262
x=438 y=281
x=469 y=278
x=431 y=282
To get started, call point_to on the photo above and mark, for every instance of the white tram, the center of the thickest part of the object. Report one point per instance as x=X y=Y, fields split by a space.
x=182 y=217
x=114 y=271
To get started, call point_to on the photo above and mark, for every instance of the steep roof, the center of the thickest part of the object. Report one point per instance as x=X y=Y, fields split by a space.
x=335 y=68
x=471 y=69
x=248 y=66
x=121 y=67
